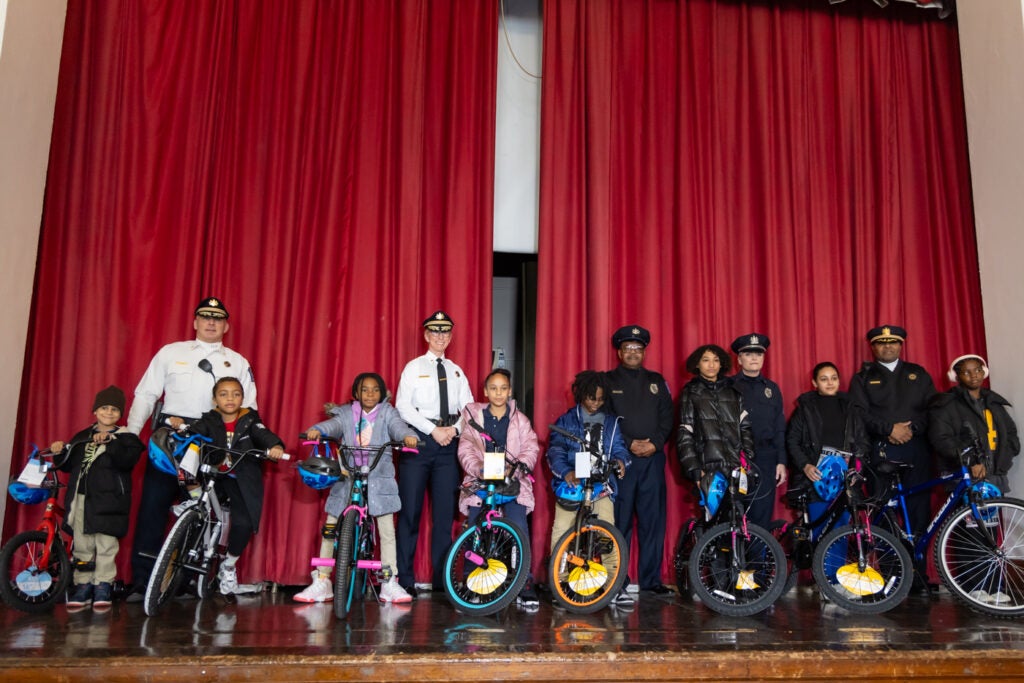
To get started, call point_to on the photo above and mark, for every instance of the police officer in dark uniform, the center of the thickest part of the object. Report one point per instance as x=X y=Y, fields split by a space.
x=642 y=399
x=893 y=395
x=762 y=400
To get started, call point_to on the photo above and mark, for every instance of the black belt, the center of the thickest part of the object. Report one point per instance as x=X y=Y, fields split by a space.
x=449 y=421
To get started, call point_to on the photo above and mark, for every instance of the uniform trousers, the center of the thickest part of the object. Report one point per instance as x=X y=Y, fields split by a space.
x=436 y=467
x=642 y=492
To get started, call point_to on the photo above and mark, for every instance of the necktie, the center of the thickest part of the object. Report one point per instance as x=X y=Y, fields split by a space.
x=442 y=388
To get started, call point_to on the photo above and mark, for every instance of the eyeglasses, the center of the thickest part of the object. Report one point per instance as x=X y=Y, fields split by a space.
x=632 y=348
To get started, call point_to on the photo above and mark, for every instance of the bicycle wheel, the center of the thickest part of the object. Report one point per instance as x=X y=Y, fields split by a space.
x=736 y=575
x=865 y=573
x=783 y=532
x=981 y=557
x=205 y=581
x=345 y=564
x=27 y=585
x=487 y=566
x=681 y=556
x=588 y=569
x=183 y=546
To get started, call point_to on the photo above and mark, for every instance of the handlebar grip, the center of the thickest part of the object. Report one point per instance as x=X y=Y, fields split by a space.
x=286 y=456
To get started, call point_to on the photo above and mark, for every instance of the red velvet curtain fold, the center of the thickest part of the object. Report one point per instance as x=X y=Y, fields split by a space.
x=712 y=168
x=324 y=167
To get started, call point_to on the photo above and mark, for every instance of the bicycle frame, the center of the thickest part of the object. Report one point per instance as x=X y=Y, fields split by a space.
x=896 y=499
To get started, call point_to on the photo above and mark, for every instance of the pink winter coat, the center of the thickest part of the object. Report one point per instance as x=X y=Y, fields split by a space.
x=522 y=445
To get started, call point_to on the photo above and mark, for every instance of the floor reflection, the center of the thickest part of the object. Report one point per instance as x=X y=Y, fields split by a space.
x=272 y=624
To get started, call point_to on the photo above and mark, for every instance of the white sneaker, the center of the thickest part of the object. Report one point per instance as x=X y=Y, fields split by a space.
x=980 y=596
x=390 y=591
x=228 y=579
x=320 y=590
x=999 y=598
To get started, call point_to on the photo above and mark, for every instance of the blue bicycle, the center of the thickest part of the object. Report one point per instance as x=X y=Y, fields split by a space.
x=979 y=551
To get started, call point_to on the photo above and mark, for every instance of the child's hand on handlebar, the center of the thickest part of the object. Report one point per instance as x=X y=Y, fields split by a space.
x=313 y=434
x=978 y=471
x=175 y=423
x=275 y=453
x=410 y=441
x=620 y=468
x=570 y=479
x=56 y=447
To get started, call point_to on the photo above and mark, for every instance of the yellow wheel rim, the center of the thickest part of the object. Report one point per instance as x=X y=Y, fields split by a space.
x=486 y=580
x=745 y=581
x=588 y=580
x=867 y=582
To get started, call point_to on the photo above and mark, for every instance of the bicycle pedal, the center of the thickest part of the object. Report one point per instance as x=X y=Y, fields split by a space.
x=84 y=566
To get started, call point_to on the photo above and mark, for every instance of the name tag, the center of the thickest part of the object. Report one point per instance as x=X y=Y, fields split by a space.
x=34 y=472
x=190 y=461
x=494 y=466
x=582 y=465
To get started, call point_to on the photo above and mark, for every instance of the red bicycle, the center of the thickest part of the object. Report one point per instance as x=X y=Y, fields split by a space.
x=35 y=566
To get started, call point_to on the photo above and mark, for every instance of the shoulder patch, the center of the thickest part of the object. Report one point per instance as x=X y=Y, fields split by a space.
x=654 y=388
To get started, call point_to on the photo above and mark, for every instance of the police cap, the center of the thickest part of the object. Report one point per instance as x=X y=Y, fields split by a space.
x=438 y=321
x=211 y=307
x=751 y=342
x=886 y=333
x=631 y=333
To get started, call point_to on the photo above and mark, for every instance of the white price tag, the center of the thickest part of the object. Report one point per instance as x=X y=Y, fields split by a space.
x=582 y=465
x=34 y=472
x=190 y=461
x=743 y=482
x=494 y=466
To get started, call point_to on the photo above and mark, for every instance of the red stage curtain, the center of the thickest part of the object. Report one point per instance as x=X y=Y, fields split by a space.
x=710 y=169
x=324 y=167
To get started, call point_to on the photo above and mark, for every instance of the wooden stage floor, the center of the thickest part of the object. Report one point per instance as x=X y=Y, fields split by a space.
x=269 y=637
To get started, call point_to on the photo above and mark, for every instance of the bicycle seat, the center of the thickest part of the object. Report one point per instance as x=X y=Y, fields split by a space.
x=798 y=496
x=891 y=467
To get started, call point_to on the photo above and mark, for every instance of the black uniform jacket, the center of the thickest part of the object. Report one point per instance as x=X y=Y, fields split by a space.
x=642 y=399
x=889 y=397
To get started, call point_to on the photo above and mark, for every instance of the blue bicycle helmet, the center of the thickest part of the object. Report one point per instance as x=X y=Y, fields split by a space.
x=27 y=495
x=319 y=473
x=985 y=491
x=712 y=490
x=570 y=497
x=833 y=473
x=162 y=450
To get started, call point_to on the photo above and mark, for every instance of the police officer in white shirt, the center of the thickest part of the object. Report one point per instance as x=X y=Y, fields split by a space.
x=184 y=374
x=434 y=413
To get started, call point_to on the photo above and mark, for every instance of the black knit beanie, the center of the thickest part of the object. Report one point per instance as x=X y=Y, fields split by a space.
x=111 y=396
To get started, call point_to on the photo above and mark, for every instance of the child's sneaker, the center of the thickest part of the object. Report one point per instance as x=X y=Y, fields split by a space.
x=318 y=591
x=527 y=598
x=391 y=591
x=102 y=596
x=228 y=579
x=80 y=598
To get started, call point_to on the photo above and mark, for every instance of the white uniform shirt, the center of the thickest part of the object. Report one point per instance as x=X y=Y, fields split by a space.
x=419 y=401
x=174 y=373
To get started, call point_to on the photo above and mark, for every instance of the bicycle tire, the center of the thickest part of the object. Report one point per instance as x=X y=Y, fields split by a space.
x=968 y=563
x=169 y=569
x=26 y=586
x=688 y=534
x=885 y=580
x=344 y=564
x=493 y=583
x=782 y=531
x=762 y=571
x=365 y=550
x=588 y=569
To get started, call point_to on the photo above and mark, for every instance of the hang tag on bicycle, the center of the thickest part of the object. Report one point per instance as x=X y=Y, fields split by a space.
x=494 y=466
x=582 y=465
x=190 y=461
x=34 y=472
x=741 y=484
